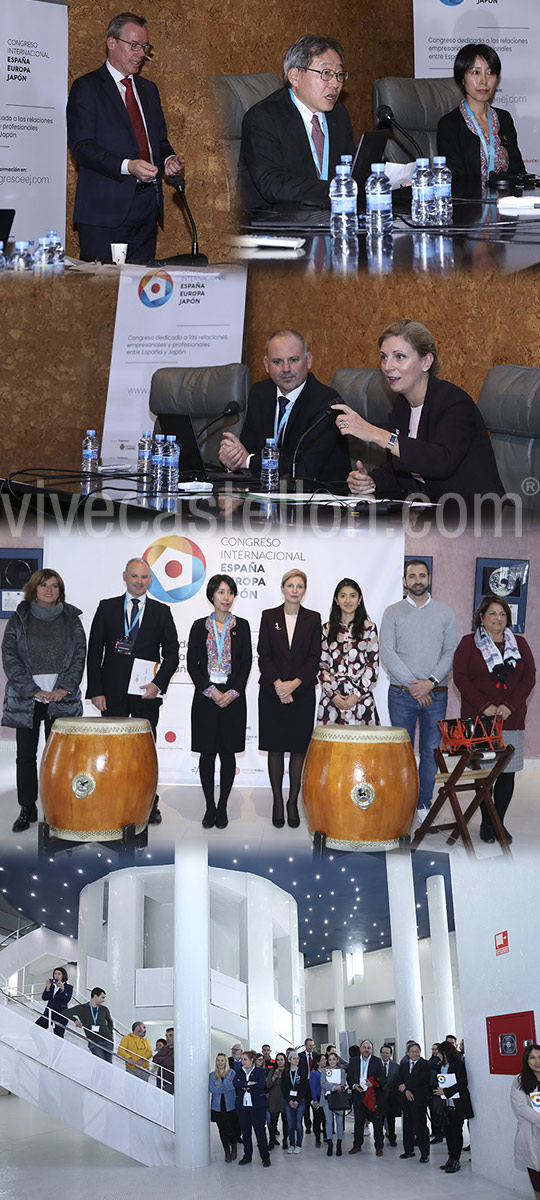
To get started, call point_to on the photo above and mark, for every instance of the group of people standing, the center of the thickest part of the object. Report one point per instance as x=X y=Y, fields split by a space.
x=44 y=648
x=308 y=1090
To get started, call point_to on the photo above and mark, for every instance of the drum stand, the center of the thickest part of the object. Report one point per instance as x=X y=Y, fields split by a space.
x=478 y=779
x=124 y=848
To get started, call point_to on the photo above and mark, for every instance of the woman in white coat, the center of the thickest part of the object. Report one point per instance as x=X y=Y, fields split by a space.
x=525 y=1100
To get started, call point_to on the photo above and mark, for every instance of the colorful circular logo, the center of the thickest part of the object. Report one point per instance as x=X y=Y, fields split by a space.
x=452 y=3
x=155 y=288
x=178 y=568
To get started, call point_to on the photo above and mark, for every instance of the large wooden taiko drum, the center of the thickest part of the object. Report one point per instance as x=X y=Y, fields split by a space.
x=98 y=775
x=360 y=786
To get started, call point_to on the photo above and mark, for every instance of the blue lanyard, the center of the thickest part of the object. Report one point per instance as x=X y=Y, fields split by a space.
x=220 y=637
x=322 y=172
x=278 y=429
x=95 y=1018
x=489 y=152
x=293 y=1081
x=129 y=628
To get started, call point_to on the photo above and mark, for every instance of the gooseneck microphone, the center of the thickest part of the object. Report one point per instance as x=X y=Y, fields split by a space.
x=328 y=412
x=195 y=259
x=231 y=410
x=385 y=116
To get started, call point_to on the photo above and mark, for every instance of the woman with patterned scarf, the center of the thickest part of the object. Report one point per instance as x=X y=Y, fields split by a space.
x=494 y=671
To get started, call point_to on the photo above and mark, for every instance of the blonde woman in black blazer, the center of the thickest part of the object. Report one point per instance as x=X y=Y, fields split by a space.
x=289 y=652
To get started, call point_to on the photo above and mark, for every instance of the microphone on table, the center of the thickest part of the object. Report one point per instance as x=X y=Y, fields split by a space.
x=385 y=116
x=231 y=410
x=195 y=259
x=291 y=481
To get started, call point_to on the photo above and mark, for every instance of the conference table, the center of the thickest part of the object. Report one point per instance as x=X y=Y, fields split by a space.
x=483 y=236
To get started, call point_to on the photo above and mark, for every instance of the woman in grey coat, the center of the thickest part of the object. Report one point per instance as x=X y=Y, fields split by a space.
x=525 y=1100
x=43 y=654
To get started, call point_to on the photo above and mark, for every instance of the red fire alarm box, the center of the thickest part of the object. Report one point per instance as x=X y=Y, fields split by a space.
x=508 y=1035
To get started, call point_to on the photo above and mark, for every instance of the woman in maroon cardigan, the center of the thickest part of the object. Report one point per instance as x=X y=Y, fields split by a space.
x=495 y=672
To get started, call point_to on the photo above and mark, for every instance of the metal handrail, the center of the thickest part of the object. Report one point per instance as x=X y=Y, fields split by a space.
x=17 y=933
x=27 y=1002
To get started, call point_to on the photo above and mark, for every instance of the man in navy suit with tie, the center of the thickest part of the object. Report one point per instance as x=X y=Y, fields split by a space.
x=293 y=140
x=118 y=136
x=125 y=628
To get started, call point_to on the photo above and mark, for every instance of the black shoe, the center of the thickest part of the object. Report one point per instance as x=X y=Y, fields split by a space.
x=435 y=1140
x=453 y=1167
x=445 y=1165
x=411 y=1155
x=293 y=820
x=318 y=1143
x=392 y=1142
x=244 y=1161
x=509 y=837
x=278 y=819
x=330 y=1148
x=424 y=1158
x=209 y=818
x=25 y=819
x=266 y=1162
x=487 y=834
x=222 y=819
x=155 y=817
x=338 y=1149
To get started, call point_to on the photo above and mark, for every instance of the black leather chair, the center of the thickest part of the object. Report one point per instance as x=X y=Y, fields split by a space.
x=364 y=390
x=203 y=393
x=418 y=105
x=233 y=95
x=509 y=401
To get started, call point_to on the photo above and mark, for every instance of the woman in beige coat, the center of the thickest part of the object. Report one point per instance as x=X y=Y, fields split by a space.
x=525 y=1100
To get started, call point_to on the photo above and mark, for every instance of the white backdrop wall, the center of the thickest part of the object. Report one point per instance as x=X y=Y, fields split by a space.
x=33 y=94
x=257 y=562
x=489 y=897
x=512 y=27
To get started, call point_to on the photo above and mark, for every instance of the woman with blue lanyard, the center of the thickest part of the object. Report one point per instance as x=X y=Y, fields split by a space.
x=294 y=1086
x=453 y=1089
x=479 y=140
x=219 y=662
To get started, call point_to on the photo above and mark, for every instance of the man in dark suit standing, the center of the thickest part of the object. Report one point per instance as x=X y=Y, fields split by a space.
x=285 y=406
x=365 y=1077
x=126 y=628
x=118 y=136
x=413 y=1081
x=293 y=140
x=390 y=1097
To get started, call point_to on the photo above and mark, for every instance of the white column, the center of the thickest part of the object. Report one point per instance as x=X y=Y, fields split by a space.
x=124 y=942
x=338 y=995
x=191 y=1003
x=440 y=957
x=406 y=962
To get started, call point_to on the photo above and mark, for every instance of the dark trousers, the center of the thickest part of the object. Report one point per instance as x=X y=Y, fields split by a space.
x=51 y=1020
x=454 y=1133
x=390 y=1123
x=139 y=230
x=307 y=1116
x=318 y=1123
x=104 y=1050
x=226 y=1124
x=27 y=744
x=362 y=1114
x=274 y=1118
x=415 y=1127
x=253 y=1119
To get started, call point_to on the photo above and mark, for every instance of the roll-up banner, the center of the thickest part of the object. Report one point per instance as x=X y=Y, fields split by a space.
x=33 y=93
x=512 y=27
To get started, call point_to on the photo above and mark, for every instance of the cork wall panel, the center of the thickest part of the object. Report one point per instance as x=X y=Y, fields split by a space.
x=224 y=37
x=58 y=340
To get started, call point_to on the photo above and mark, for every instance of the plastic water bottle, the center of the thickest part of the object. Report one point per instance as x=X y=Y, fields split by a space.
x=423 y=199
x=442 y=185
x=90 y=451
x=3 y=259
x=270 y=465
x=144 y=453
x=171 y=464
x=21 y=259
x=43 y=256
x=378 y=201
x=346 y=161
x=343 y=204
x=56 y=243
x=156 y=463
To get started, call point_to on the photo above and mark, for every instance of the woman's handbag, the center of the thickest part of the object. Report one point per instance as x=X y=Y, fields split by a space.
x=339 y=1101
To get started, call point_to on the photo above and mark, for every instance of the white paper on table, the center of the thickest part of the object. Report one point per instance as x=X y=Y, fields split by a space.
x=143 y=671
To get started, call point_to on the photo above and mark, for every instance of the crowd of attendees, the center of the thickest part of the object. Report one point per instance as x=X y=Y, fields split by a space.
x=312 y=1092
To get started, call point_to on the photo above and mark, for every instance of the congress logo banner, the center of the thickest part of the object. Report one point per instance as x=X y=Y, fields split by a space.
x=175 y=559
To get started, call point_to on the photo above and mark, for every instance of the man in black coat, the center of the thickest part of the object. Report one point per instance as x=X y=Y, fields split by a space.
x=365 y=1077
x=96 y=1021
x=126 y=628
x=413 y=1084
x=390 y=1097
x=293 y=140
x=118 y=136
x=286 y=406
